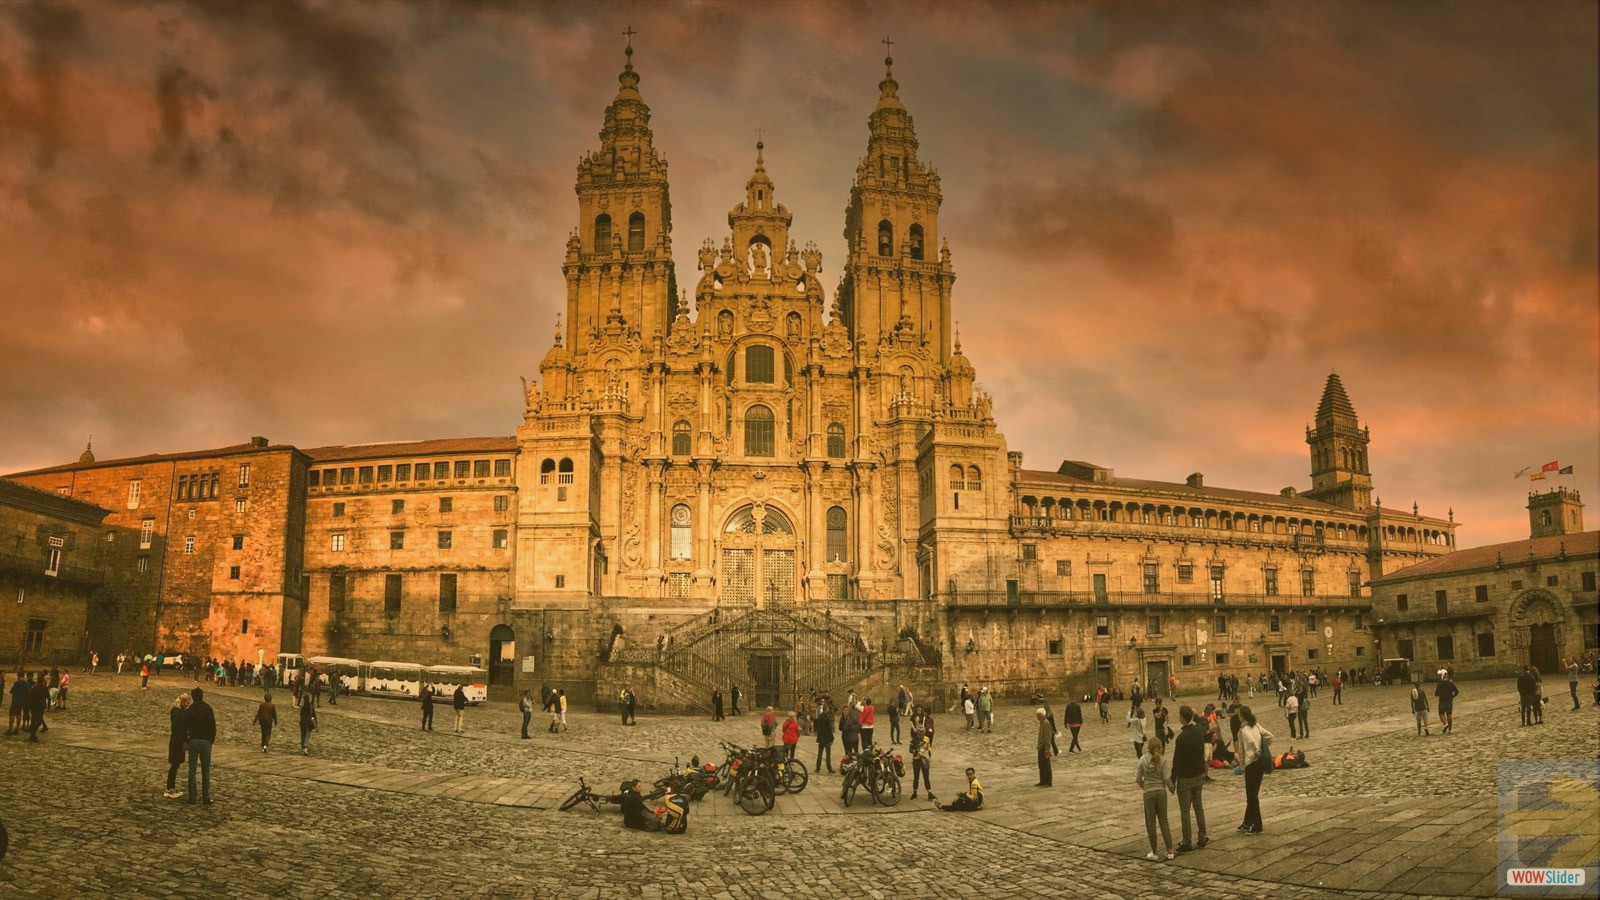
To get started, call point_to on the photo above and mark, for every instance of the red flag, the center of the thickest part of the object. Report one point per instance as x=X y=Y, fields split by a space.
x=1550 y=466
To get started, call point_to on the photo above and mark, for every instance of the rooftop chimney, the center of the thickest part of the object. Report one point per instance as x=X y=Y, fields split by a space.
x=1195 y=480
x=258 y=441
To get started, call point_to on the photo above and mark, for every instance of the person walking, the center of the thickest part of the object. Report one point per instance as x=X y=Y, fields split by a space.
x=561 y=707
x=1073 y=717
x=824 y=730
x=791 y=736
x=1291 y=709
x=716 y=705
x=38 y=702
x=1572 y=685
x=969 y=800
x=19 y=704
x=200 y=727
x=1136 y=722
x=1102 y=699
x=61 y=698
x=921 y=758
x=868 y=722
x=176 y=747
x=733 y=699
x=1153 y=780
x=1446 y=693
x=308 y=724
x=1046 y=736
x=1189 y=775
x=458 y=702
x=894 y=721
x=427 y=707
x=266 y=717
x=1419 y=709
x=1252 y=751
x=526 y=705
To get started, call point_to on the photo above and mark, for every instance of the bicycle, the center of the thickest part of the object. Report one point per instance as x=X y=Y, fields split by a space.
x=585 y=795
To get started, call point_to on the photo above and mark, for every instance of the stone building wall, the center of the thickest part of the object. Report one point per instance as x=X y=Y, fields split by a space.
x=53 y=552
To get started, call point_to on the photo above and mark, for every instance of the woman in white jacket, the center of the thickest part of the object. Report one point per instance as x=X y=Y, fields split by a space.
x=1136 y=722
x=1252 y=737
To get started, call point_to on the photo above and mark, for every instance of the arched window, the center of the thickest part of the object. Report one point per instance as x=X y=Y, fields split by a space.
x=775 y=522
x=602 y=233
x=545 y=468
x=758 y=431
x=916 y=242
x=564 y=472
x=636 y=232
x=958 y=478
x=836 y=441
x=680 y=438
x=974 y=479
x=682 y=531
x=758 y=364
x=885 y=238
x=1544 y=517
x=838 y=534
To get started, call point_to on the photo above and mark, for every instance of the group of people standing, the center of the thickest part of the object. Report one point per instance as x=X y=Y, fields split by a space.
x=32 y=695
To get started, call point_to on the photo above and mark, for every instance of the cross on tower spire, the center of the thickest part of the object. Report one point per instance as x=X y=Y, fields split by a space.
x=629 y=35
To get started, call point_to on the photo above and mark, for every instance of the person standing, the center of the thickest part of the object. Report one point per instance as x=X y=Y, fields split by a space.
x=850 y=732
x=333 y=688
x=1103 y=700
x=1305 y=712
x=561 y=707
x=122 y=659
x=970 y=708
x=769 y=728
x=1338 y=688
x=1046 y=736
x=824 y=729
x=19 y=703
x=1153 y=780
x=266 y=717
x=733 y=699
x=986 y=710
x=1525 y=692
x=791 y=736
x=716 y=705
x=458 y=702
x=633 y=707
x=921 y=758
x=1189 y=775
x=527 y=712
x=1135 y=696
x=144 y=676
x=175 y=744
x=1572 y=685
x=1291 y=709
x=308 y=724
x=200 y=727
x=1446 y=692
x=1073 y=716
x=427 y=707
x=894 y=722
x=1252 y=740
x=868 y=723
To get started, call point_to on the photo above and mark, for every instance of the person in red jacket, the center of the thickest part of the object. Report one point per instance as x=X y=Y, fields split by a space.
x=868 y=718
x=791 y=735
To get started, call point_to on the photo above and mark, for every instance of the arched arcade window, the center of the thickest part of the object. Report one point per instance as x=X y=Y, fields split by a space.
x=602 y=233
x=758 y=431
x=838 y=534
x=836 y=441
x=636 y=232
x=681 y=438
x=885 y=238
x=916 y=242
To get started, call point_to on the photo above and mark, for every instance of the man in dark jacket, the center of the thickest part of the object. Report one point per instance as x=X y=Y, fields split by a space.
x=824 y=729
x=458 y=702
x=1073 y=716
x=1189 y=775
x=38 y=701
x=427 y=707
x=1527 y=692
x=200 y=727
x=634 y=813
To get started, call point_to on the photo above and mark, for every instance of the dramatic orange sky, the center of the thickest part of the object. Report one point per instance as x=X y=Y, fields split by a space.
x=342 y=222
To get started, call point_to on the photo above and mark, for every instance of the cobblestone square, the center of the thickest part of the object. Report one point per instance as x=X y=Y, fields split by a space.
x=380 y=808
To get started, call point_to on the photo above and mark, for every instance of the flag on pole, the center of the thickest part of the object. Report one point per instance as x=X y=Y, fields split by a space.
x=1523 y=471
x=1565 y=470
x=1550 y=466
x=1537 y=476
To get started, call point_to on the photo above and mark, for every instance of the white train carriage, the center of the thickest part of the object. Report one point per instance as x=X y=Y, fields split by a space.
x=444 y=680
x=392 y=679
x=350 y=672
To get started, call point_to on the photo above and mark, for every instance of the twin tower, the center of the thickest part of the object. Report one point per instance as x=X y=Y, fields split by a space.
x=766 y=448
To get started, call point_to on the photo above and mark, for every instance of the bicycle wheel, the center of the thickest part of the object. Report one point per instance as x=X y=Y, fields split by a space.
x=795 y=777
x=578 y=796
x=780 y=783
x=888 y=793
x=847 y=791
x=755 y=797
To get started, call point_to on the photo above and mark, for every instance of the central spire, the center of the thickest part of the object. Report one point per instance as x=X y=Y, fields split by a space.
x=888 y=88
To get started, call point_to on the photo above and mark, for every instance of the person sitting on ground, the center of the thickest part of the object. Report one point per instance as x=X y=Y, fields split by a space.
x=635 y=814
x=971 y=800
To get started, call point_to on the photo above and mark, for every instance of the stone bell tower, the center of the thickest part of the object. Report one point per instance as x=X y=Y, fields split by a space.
x=1339 y=473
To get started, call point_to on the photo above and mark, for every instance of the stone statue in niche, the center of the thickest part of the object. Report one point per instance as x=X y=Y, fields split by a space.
x=792 y=328
x=760 y=259
x=725 y=325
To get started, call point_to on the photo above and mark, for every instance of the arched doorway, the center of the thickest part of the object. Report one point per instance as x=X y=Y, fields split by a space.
x=1538 y=617
x=502 y=655
x=758 y=557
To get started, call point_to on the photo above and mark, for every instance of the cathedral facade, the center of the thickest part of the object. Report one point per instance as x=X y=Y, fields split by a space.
x=765 y=485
